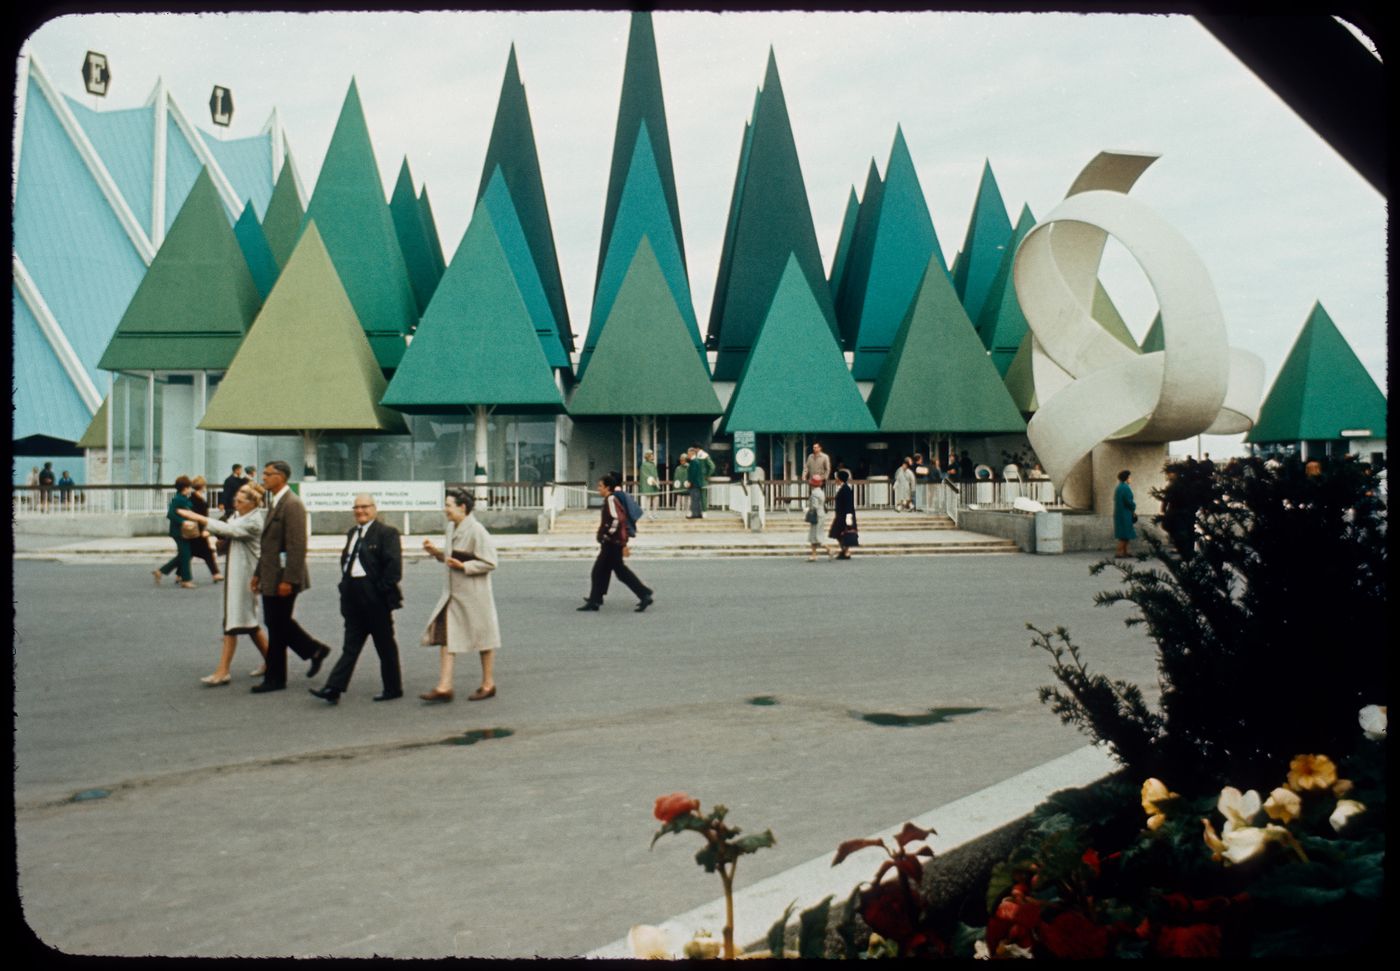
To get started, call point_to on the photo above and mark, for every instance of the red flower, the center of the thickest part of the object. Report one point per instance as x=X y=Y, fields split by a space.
x=1091 y=860
x=1072 y=935
x=1189 y=941
x=1014 y=920
x=676 y=804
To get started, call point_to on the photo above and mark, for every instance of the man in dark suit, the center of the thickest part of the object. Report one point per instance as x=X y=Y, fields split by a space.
x=370 y=568
x=231 y=486
x=281 y=575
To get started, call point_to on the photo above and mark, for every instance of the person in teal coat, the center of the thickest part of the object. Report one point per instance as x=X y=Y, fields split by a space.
x=181 y=560
x=1124 y=513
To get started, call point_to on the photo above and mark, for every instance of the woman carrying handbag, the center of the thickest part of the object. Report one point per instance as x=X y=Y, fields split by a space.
x=181 y=560
x=844 y=528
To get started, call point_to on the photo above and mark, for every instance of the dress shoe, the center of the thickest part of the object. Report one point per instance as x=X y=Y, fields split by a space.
x=589 y=605
x=388 y=696
x=644 y=603
x=321 y=654
x=213 y=682
x=436 y=695
x=479 y=695
x=325 y=694
x=265 y=686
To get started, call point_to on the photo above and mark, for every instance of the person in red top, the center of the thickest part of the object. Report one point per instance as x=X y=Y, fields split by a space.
x=612 y=547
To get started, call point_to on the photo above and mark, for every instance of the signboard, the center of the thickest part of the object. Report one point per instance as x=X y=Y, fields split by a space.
x=745 y=457
x=96 y=75
x=221 y=106
x=321 y=496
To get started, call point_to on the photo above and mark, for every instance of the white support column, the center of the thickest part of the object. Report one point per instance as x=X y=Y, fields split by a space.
x=201 y=398
x=479 y=472
x=111 y=410
x=150 y=426
x=308 y=454
x=159 y=127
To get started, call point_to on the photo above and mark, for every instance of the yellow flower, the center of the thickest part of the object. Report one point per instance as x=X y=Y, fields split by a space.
x=1239 y=809
x=1154 y=790
x=1311 y=772
x=1341 y=787
x=1283 y=805
x=1346 y=808
x=647 y=941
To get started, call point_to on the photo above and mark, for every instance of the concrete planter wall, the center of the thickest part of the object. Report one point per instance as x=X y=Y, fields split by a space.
x=1083 y=532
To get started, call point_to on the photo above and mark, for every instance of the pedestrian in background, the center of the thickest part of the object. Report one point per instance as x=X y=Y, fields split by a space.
x=648 y=485
x=464 y=618
x=65 y=488
x=699 y=472
x=199 y=545
x=181 y=560
x=1124 y=513
x=904 y=485
x=612 y=547
x=232 y=484
x=680 y=479
x=46 y=481
x=818 y=464
x=816 y=512
x=243 y=530
x=844 y=528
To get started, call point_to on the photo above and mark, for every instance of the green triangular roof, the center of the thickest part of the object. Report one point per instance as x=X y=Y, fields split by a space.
x=1321 y=390
x=937 y=377
x=1003 y=324
x=642 y=215
x=196 y=300
x=1106 y=313
x=96 y=434
x=512 y=149
x=425 y=209
x=1019 y=379
x=282 y=221
x=987 y=232
x=795 y=378
x=306 y=363
x=902 y=245
x=1153 y=340
x=348 y=205
x=476 y=344
x=261 y=263
x=641 y=106
x=669 y=378
x=773 y=223
x=843 y=244
x=423 y=274
x=856 y=273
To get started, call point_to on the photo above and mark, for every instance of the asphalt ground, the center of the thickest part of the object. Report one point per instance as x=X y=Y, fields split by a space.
x=277 y=825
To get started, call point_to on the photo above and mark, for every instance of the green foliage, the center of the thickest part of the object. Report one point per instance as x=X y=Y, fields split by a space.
x=811 y=929
x=1269 y=635
x=778 y=932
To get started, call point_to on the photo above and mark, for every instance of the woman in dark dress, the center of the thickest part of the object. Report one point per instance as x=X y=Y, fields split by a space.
x=181 y=560
x=845 y=518
x=199 y=546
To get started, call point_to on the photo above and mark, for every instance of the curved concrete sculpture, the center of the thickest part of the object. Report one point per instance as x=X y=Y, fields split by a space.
x=1094 y=389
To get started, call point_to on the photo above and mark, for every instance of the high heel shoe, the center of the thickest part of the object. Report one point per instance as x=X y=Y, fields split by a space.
x=214 y=682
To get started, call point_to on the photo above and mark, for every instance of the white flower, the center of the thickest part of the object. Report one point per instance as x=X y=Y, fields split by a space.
x=1373 y=722
x=1283 y=805
x=647 y=941
x=1238 y=809
x=1346 y=808
x=980 y=952
x=1245 y=842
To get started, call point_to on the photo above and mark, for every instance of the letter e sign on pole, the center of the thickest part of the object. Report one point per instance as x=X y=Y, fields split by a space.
x=221 y=106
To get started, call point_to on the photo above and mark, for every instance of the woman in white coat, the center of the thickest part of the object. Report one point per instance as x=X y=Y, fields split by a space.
x=465 y=616
x=244 y=533
x=904 y=484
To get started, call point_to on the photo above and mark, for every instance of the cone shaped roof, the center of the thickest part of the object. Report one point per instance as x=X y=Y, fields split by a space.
x=95 y=436
x=642 y=214
x=282 y=219
x=261 y=263
x=1321 y=390
x=987 y=232
x=423 y=273
x=856 y=274
x=937 y=377
x=1003 y=324
x=670 y=378
x=795 y=379
x=425 y=209
x=306 y=363
x=843 y=244
x=512 y=149
x=902 y=245
x=772 y=222
x=476 y=344
x=349 y=209
x=196 y=301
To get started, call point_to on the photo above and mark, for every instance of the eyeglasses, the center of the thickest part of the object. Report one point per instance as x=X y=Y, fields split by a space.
x=358 y=506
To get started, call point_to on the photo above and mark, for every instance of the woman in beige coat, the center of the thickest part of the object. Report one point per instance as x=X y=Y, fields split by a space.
x=465 y=616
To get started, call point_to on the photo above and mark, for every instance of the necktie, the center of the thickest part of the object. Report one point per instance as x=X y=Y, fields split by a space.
x=354 y=550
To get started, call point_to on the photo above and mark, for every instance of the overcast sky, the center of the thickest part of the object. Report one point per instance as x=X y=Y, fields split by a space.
x=1279 y=218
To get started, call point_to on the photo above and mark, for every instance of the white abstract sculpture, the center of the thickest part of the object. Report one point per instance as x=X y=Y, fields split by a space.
x=1092 y=388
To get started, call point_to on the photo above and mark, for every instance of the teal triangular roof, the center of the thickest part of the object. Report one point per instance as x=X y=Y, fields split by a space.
x=855 y=276
x=843 y=244
x=937 y=377
x=903 y=243
x=511 y=235
x=641 y=107
x=425 y=209
x=282 y=220
x=512 y=150
x=476 y=343
x=349 y=208
x=1321 y=390
x=1003 y=324
x=770 y=221
x=667 y=377
x=423 y=273
x=795 y=378
x=987 y=232
x=306 y=363
x=642 y=214
x=261 y=263
x=195 y=302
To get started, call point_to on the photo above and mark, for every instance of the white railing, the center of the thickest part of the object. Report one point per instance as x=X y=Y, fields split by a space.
x=1003 y=495
x=89 y=500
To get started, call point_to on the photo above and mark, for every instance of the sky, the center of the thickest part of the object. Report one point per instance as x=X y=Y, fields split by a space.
x=1279 y=218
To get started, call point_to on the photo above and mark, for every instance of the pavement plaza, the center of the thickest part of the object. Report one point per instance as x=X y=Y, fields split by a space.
x=278 y=825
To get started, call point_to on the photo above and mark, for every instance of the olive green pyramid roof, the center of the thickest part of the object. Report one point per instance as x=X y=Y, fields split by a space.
x=282 y=221
x=937 y=377
x=1321 y=390
x=196 y=300
x=423 y=273
x=1002 y=323
x=769 y=222
x=96 y=434
x=795 y=379
x=668 y=378
x=512 y=149
x=348 y=205
x=251 y=239
x=476 y=344
x=982 y=249
x=306 y=364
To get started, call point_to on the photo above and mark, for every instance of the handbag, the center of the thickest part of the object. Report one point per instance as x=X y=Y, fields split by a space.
x=849 y=538
x=189 y=530
x=811 y=516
